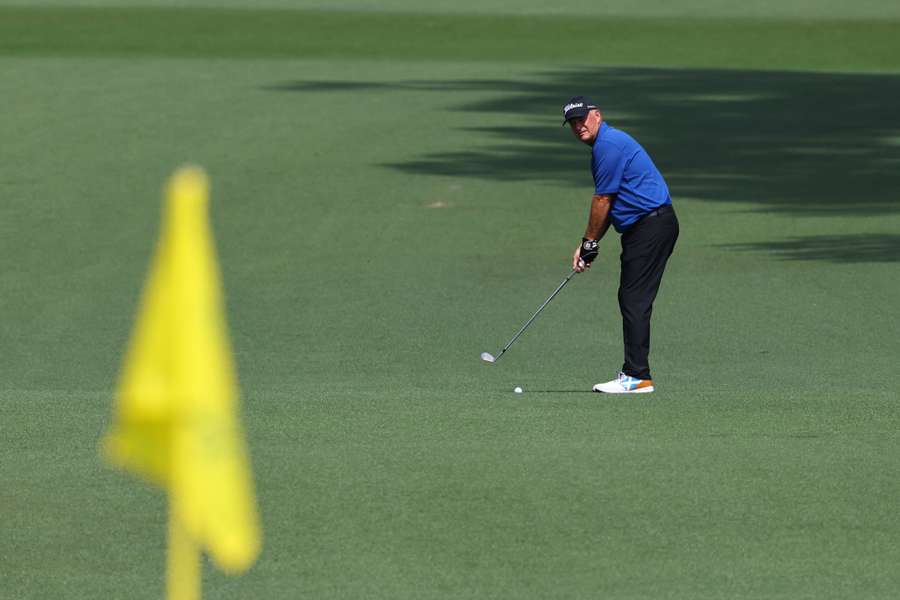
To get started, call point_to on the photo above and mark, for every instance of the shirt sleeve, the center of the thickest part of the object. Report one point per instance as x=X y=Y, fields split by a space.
x=608 y=165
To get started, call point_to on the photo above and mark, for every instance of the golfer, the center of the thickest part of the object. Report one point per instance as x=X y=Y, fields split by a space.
x=632 y=196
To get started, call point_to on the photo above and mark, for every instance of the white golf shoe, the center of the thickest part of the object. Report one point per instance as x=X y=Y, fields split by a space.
x=623 y=384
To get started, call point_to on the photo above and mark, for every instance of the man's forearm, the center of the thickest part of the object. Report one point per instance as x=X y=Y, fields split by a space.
x=598 y=221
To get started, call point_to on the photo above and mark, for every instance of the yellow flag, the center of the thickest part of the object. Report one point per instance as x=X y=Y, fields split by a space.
x=175 y=420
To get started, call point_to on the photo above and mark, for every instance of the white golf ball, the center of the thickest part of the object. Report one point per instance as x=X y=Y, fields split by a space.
x=517 y=390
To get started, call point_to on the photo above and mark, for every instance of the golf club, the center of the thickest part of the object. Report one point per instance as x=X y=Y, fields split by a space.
x=490 y=359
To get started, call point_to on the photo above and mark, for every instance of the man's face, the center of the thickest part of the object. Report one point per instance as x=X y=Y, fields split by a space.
x=586 y=128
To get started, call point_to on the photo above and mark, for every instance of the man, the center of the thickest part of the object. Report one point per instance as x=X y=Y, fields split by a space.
x=630 y=194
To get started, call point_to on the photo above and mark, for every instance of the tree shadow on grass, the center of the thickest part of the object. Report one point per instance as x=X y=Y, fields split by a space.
x=802 y=143
x=858 y=248
x=793 y=143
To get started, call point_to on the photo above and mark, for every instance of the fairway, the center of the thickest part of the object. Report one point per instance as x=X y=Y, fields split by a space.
x=392 y=194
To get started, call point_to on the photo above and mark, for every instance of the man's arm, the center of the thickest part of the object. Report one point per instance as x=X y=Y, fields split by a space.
x=598 y=223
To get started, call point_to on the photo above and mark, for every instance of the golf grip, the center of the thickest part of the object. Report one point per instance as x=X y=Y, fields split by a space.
x=537 y=312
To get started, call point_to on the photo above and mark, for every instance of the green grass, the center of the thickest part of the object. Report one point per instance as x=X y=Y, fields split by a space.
x=384 y=217
x=703 y=9
x=735 y=43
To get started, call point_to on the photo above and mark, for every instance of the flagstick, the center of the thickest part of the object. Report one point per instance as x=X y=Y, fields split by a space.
x=183 y=569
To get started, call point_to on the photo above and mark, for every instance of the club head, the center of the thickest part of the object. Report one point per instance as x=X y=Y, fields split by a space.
x=488 y=358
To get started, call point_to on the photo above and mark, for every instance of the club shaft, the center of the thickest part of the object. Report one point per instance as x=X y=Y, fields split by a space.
x=537 y=312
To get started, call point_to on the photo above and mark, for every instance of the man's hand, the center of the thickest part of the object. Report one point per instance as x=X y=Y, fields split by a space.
x=598 y=223
x=584 y=255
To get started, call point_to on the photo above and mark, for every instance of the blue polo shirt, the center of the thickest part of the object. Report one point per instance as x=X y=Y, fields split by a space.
x=623 y=169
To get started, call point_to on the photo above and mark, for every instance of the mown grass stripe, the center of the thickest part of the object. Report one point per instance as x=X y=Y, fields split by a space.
x=844 y=45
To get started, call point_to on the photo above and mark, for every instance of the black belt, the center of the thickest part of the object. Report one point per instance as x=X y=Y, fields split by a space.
x=662 y=210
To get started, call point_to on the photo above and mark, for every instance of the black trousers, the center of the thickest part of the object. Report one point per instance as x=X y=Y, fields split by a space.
x=646 y=248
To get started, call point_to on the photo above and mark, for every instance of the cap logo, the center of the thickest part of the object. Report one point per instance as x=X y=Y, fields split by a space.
x=569 y=107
